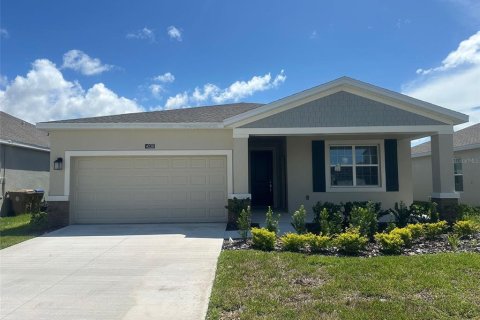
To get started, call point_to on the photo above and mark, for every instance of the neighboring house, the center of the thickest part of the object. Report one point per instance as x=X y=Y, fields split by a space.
x=465 y=163
x=345 y=140
x=24 y=156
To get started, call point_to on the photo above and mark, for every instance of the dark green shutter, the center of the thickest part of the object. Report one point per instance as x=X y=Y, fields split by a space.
x=318 y=165
x=391 y=165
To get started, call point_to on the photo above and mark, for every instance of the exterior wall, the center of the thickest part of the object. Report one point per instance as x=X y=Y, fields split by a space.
x=100 y=140
x=300 y=184
x=23 y=169
x=342 y=109
x=422 y=174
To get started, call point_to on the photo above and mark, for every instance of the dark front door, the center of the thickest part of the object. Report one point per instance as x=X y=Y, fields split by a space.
x=261 y=164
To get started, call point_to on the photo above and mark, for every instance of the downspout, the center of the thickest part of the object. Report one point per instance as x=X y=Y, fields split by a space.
x=3 y=170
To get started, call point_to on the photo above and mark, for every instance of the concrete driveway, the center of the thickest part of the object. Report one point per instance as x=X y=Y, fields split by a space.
x=159 y=271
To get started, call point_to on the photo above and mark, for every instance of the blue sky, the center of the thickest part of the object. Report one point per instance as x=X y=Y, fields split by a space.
x=61 y=59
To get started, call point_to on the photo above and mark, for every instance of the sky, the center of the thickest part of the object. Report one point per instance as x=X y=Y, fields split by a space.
x=64 y=59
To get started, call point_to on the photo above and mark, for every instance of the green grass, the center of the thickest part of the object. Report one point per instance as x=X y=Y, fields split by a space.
x=15 y=229
x=259 y=285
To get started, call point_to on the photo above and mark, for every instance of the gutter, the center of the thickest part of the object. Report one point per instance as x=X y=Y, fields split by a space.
x=130 y=125
x=23 y=145
x=459 y=148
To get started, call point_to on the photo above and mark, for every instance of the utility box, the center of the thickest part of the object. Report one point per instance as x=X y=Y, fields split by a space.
x=23 y=201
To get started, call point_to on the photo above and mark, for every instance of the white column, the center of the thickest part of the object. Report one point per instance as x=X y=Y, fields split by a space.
x=240 y=167
x=442 y=166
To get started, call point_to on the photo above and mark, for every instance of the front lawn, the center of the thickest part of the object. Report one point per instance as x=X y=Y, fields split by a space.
x=277 y=285
x=15 y=229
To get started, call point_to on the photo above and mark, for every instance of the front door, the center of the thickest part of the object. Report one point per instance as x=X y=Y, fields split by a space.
x=261 y=164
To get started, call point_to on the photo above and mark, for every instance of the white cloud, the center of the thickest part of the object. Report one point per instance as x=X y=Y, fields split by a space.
x=44 y=94
x=4 y=33
x=455 y=83
x=142 y=34
x=165 y=78
x=233 y=93
x=3 y=81
x=156 y=90
x=80 y=61
x=314 y=34
x=178 y=101
x=468 y=52
x=174 y=33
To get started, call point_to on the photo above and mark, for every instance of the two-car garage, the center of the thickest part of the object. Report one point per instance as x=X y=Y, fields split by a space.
x=148 y=189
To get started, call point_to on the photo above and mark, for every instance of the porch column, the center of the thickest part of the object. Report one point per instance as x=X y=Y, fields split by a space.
x=443 y=181
x=240 y=167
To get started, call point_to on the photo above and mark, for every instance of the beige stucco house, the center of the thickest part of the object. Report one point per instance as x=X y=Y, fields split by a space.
x=465 y=163
x=344 y=140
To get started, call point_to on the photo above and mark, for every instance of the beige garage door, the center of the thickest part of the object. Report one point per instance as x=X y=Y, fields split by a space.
x=148 y=189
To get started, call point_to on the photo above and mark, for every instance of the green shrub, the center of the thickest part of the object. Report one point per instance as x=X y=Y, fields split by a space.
x=318 y=243
x=405 y=234
x=465 y=228
x=365 y=219
x=390 y=243
x=324 y=222
x=263 y=239
x=433 y=230
x=39 y=221
x=466 y=212
x=244 y=222
x=423 y=211
x=294 y=242
x=298 y=220
x=271 y=221
x=453 y=241
x=235 y=207
x=401 y=213
x=351 y=242
x=417 y=230
x=318 y=208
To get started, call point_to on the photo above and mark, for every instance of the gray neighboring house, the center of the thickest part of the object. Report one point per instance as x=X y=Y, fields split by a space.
x=466 y=164
x=24 y=156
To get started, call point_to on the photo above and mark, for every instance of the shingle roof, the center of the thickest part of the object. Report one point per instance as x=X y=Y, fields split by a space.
x=467 y=136
x=216 y=113
x=16 y=130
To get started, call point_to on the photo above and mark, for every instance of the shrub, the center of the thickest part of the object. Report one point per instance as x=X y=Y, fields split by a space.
x=390 y=243
x=351 y=242
x=324 y=222
x=298 y=220
x=466 y=212
x=465 y=228
x=271 y=221
x=416 y=229
x=318 y=243
x=365 y=219
x=335 y=225
x=318 y=208
x=294 y=242
x=453 y=241
x=39 y=220
x=235 y=207
x=263 y=239
x=405 y=234
x=433 y=230
x=401 y=213
x=244 y=222
x=423 y=211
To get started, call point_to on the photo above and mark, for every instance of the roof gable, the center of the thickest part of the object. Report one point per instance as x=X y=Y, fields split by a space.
x=362 y=89
x=342 y=109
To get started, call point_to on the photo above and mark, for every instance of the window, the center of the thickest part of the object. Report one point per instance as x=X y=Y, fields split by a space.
x=458 y=174
x=355 y=165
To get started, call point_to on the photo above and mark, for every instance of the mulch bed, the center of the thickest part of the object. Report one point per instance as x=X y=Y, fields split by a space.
x=419 y=246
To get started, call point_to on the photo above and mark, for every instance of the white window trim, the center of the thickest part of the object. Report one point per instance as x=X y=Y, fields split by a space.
x=144 y=153
x=381 y=178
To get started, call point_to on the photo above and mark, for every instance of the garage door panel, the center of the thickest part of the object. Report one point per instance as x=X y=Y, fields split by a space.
x=148 y=189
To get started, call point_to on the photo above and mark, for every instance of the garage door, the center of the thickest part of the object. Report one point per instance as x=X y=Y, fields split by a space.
x=148 y=189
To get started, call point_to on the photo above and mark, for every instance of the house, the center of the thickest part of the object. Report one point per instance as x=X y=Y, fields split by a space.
x=24 y=157
x=345 y=140
x=465 y=163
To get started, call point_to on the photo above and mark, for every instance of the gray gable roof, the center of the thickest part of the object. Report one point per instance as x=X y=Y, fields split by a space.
x=19 y=131
x=216 y=113
x=461 y=138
